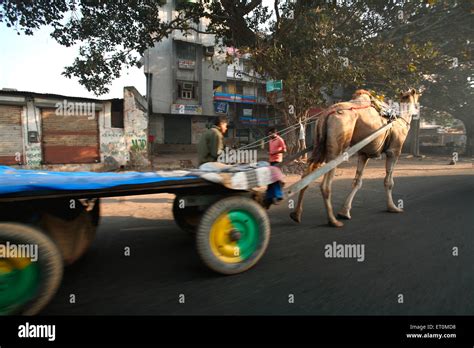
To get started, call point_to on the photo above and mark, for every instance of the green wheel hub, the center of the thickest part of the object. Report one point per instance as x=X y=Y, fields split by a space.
x=247 y=232
x=18 y=283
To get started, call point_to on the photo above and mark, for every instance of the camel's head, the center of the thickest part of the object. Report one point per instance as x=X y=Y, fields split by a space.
x=409 y=105
x=410 y=97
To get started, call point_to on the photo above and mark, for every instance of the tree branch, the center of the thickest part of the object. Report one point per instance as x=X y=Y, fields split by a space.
x=277 y=13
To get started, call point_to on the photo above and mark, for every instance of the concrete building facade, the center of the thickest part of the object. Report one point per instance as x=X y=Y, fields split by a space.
x=189 y=83
x=243 y=98
x=181 y=78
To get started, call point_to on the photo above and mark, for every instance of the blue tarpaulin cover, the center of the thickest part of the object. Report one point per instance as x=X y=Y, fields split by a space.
x=21 y=180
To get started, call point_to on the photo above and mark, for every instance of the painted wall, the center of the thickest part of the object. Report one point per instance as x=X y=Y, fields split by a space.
x=113 y=147
x=136 y=126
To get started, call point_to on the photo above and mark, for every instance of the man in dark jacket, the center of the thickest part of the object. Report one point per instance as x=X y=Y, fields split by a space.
x=211 y=143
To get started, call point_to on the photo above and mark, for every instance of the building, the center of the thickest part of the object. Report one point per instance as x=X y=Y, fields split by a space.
x=436 y=139
x=189 y=84
x=243 y=98
x=58 y=132
x=180 y=82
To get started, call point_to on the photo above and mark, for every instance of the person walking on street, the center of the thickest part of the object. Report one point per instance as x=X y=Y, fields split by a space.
x=211 y=143
x=277 y=148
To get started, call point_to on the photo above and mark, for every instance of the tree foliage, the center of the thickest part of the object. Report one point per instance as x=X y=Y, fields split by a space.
x=314 y=46
x=317 y=46
x=115 y=34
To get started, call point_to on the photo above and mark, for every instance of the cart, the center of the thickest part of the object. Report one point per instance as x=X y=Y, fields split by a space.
x=59 y=213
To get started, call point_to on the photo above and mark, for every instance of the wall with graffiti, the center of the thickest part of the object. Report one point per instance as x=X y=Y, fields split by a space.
x=136 y=127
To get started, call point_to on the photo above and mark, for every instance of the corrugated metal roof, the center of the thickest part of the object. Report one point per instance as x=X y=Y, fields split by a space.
x=50 y=95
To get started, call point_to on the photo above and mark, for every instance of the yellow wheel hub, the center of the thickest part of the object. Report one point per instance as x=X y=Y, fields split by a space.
x=220 y=240
x=234 y=236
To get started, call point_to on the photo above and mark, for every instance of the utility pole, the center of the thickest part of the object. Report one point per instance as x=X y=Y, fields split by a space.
x=148 y=88
x=415 y=144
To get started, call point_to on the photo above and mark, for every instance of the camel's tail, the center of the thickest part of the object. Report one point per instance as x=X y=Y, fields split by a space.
x=319 y=151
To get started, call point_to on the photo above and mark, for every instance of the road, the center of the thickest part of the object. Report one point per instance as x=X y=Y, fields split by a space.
x=409 y=254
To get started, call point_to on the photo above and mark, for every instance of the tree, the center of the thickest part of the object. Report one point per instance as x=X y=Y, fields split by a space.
x=312 y=45
x=115 y=34
x=450 y=88
x=315 y=47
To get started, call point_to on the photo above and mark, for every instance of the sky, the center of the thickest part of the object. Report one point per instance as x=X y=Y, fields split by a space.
x=35 y=63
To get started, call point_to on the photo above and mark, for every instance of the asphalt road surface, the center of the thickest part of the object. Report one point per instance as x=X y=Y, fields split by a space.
x=409 y=254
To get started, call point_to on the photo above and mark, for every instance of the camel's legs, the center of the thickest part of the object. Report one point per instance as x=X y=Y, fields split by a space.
x=296 y=215
x=388 y=183
x=345 y=212
x=326 y=186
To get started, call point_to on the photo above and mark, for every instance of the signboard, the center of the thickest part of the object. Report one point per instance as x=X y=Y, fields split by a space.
x=221 y=107
x=247 y=112
x=274 y=85
x=186 y=109
x=254 y=121
x=238 y=98
x=186 y=64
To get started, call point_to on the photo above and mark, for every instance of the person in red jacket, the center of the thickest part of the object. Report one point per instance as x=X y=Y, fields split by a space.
x=277 y=148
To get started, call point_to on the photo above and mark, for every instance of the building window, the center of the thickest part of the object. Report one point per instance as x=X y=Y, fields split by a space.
x=239 y=88
x=117 y=114
x=218 y=86
x=186 y=55
x=186 y=90
x=185 y=50
x=186 y=94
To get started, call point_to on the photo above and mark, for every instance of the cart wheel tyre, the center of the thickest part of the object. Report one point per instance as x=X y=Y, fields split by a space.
x=233 y=235
x=27 y=286
x=186 y=218
x=73 y=237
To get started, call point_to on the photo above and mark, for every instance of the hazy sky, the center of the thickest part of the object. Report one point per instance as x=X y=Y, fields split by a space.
x=34 y=63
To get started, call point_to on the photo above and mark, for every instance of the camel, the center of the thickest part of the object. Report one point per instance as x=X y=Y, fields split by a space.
x=344 y=124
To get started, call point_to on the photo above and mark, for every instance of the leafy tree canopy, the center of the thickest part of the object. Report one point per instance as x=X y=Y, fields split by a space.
x=313 y=45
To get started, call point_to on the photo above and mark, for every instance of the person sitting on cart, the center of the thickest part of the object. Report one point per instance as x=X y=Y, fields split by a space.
x=277 y=148
x=211 y=143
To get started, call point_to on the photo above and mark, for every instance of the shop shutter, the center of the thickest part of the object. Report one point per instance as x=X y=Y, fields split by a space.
x=11 y=139
x=69 y=138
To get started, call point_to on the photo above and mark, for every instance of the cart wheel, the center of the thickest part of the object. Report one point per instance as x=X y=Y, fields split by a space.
x=73 y=237
x=187 y=218
x=233 y=235
x=26 y=285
